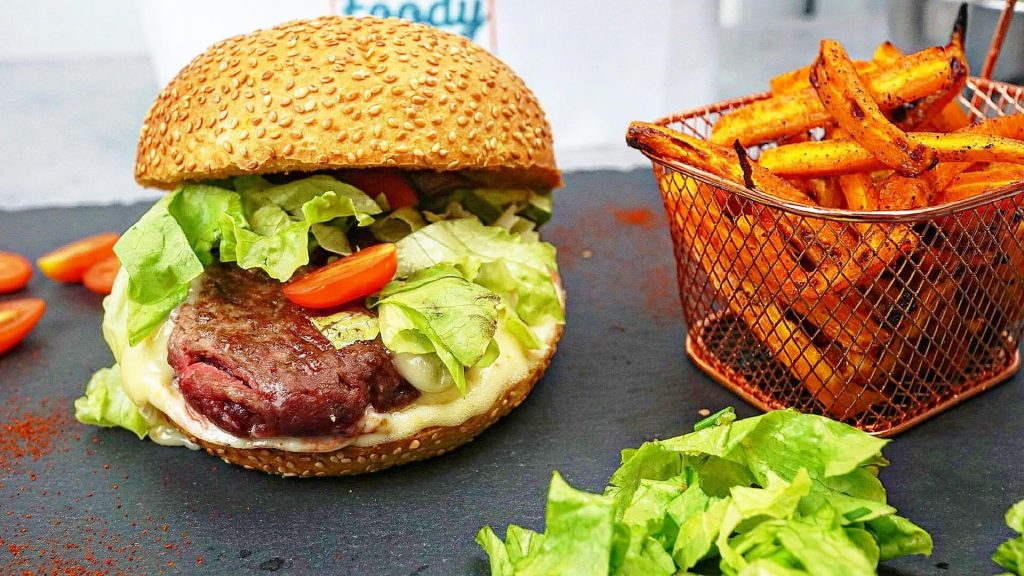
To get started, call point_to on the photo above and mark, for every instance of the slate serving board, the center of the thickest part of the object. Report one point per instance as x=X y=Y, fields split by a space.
x=86 y=500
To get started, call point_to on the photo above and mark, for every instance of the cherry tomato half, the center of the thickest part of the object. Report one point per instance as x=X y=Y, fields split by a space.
x=17 y=319
x=15 y=272
x=346 y=279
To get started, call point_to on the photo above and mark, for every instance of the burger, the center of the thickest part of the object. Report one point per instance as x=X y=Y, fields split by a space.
x=346 y=274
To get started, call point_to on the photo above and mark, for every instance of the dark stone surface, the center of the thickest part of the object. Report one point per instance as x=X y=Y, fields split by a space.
x=620 y=378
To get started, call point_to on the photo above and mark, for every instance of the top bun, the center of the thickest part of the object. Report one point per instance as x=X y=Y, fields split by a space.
x=339 y=92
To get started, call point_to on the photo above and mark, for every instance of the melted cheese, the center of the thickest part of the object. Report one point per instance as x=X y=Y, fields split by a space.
x=424 y=371
x=149 y=381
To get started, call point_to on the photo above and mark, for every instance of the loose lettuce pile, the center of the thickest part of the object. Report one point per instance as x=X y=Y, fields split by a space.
x=781 y=494
x=1010 y=554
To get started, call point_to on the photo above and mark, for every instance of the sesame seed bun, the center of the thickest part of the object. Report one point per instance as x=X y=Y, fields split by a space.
x=337 y=92
x=427 y=443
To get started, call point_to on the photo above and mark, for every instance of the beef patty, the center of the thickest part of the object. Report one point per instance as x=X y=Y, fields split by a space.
x=251 y=362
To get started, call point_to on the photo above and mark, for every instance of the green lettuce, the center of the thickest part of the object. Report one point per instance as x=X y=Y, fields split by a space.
x=519 y=271
x=274 y=233
x=397 y=224
x=347 y=327
x=491 y=204
x=778 y=494
x=578 y=540
x=1010 y=554
x=436 y=310
x=105 y=404
x=332 y=236
x=161 y=263
x=257 y=225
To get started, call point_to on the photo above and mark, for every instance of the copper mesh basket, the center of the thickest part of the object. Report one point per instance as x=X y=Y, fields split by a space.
x=890 y=342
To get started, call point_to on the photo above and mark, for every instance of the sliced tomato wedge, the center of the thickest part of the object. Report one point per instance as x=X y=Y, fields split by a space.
x=100 y=276
x=346 y=279
x=391 y=183
x=15 y=272
x=17 y=319
x=69 y=262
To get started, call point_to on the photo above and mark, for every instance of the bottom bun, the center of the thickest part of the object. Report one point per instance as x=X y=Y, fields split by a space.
x=427 y=443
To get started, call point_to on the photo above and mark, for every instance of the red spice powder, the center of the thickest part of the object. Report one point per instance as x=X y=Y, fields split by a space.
x=71 y=540
x=568 y=245
x=599 y=230
x=661 y=294
x=94 y=547
x=643 y=217
x=33 y=430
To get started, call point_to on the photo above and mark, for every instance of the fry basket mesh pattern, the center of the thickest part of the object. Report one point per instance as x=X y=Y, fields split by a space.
x=890 y=340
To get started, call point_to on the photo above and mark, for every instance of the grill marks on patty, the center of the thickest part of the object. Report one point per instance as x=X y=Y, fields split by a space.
x=252 y=363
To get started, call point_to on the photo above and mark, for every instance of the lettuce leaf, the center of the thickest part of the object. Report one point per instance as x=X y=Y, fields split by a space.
x=160 y=262
x=578 y=539
x=198 y=210
x=274 y=233
x=490 y=204
x=397 y=224
x=319 y=198
x=257 y=225
x=347 y=327
x=519 y=271
x=105 y=404
x=331 y=236
x=436 y=310
x=1010 y=554
x=779 y=494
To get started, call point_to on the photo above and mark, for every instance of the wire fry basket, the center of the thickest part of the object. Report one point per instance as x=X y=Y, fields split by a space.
x=902 y=330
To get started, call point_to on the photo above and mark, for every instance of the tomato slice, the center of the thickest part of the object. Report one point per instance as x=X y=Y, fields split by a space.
x=69 y=262
x=17 y=319
x=391 y=183
x=100 y=276
x=346 y=279
x=15 y=272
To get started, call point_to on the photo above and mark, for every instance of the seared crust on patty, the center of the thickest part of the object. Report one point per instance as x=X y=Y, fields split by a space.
x=251 y=362
x=351 y=460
